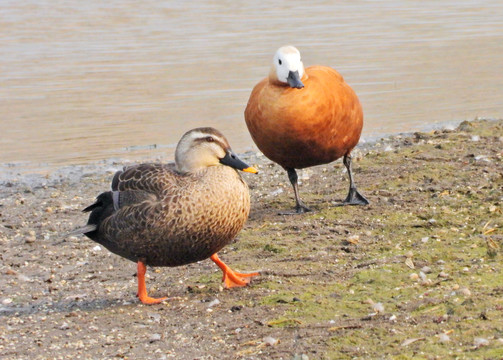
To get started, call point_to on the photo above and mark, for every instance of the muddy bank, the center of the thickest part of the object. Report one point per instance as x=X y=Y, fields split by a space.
x=417 y=274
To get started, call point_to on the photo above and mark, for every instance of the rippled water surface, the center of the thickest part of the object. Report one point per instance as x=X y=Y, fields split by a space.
x=82 y=81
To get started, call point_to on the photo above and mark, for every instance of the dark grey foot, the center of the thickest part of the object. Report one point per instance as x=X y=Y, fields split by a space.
x=300 y=208
x=355 y=198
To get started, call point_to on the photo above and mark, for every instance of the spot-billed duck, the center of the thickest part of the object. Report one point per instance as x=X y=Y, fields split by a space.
x=165 y=215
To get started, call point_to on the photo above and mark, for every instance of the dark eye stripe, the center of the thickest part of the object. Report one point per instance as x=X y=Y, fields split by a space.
x=215 y=140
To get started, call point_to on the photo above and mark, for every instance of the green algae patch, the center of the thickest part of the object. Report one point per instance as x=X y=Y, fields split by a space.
x=417 y=274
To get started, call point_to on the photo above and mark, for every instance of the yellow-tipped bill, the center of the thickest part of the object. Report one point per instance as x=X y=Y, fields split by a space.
x=232 y=160
x=251 y=169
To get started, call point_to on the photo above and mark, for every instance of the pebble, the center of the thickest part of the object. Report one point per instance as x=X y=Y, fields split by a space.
x=443 y=274
x=276 y=192
x=270 y=341
x=465 y=292
x=482 y=158
x=7 y=301
x=64 y=326
x=426 y=269
x=414 y=276
x=378 y=307
x=24 y=278
x=425 y=239
x=478 y=342
x=443 y=338
x=353 y=239
x=475 y=138
x=31 y=238
x=154 y=316
x=213 y=303
x=300 y=357
x=97 y=248
x=154 y=338
x=392 y=318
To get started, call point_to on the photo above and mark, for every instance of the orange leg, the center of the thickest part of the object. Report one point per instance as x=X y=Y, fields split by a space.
x=231 y=278
x=142 y=288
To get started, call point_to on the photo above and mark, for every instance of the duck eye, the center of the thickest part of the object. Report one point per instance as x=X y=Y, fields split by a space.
x=280 y=62
x=209 y=139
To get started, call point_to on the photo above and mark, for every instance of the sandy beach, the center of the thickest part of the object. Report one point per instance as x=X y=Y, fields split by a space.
x=416 y=274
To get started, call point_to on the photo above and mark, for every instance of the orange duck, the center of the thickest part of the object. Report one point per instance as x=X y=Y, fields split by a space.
x=300 y=118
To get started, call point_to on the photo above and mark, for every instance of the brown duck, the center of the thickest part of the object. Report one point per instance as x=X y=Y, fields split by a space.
x=300 y=118
x=172 y=215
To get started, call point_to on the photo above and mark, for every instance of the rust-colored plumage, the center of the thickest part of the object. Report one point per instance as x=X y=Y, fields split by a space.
x=310 y=117
x=165 y=215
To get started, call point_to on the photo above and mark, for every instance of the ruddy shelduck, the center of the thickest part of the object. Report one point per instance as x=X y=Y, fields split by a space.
x=165 y=215
x=304 y=117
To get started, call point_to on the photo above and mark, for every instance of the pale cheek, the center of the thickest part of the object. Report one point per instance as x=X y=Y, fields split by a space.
x=283 y=75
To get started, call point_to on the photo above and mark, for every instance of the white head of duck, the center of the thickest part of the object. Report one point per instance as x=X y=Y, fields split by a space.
x=201 y=148
x=287 y=67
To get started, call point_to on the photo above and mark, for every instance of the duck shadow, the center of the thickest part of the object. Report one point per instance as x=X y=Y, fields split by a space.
x=64 y=306
x=269 y=212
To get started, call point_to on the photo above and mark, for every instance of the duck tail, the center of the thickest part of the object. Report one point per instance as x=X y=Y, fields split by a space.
x=82 y=230
x=100 y=210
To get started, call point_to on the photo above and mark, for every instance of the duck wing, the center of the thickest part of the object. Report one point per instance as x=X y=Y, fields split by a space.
x=152 y=178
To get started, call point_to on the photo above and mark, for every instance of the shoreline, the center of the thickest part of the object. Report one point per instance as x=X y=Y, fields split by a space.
x=38 y=175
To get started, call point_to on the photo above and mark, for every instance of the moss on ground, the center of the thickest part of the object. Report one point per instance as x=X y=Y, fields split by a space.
x=436 y=202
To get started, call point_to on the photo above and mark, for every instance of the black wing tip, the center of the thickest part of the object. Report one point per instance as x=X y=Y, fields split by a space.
x=103 y=199
x=90 y=207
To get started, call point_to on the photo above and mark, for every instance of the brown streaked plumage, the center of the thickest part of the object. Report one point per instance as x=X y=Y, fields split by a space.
x=165 y=215
x=300 y=118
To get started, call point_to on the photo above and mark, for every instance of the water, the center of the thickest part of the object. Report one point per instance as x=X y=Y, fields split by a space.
x=83 y=81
